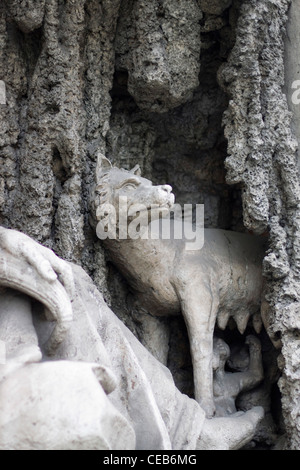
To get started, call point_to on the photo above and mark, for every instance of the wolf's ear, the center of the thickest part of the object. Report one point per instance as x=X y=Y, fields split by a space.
x=136 y=170
x=103 y=164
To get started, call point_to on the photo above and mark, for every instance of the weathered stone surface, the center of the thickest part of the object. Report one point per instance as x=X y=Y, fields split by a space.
x=291 y=64
x=51 y=409
x=289 y=383
x=215 y=7
x=184 y=147
x=59 y=62
x=55 y=119
x=262 y=156
x=163 y=60
x=28 y=15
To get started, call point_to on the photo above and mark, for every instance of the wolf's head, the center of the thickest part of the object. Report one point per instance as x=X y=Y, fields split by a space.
x=117 y=185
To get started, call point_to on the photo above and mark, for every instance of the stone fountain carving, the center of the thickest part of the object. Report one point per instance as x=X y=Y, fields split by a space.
x=96 y=384
x=75 y=377
x=209 y=285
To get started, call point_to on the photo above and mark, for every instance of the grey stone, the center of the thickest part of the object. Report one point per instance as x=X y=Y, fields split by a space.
x=228 y=385
x=163 y=62
x=50 y=409
x=28 y=15
x=66 y=66
x=215 y=7
x=262 y=149
x=2 y=92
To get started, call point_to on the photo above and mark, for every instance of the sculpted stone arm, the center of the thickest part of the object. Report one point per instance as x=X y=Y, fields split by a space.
x=29 y=267
x=42 y=259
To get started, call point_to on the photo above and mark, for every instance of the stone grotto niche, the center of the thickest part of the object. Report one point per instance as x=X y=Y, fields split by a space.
x=184 y=146
x=191 y=92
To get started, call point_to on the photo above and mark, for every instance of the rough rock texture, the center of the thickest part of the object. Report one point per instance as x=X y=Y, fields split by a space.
x=184 y=147
x=262 y=157
x=159 y=46
x=58 y=105
x=54 y=124
x=215 y=7
x=292 y=72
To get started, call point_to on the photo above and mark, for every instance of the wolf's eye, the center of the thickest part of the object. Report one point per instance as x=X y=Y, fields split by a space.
x=129 y=186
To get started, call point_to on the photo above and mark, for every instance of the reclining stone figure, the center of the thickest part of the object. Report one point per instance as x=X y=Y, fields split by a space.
x=96 y=387
x=208 y=286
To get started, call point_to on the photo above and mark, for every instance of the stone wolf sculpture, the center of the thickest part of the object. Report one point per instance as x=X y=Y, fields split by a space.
x=208 y=286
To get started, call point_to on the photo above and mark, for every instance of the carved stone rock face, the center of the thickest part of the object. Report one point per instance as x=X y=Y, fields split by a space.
x=163 y=62
x=28 y=15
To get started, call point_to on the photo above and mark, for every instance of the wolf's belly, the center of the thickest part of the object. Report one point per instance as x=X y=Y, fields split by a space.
x=159 y=298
